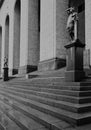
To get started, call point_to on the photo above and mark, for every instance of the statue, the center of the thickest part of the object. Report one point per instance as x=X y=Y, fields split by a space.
x=5 y=62
x=72 y=23
x=5 y=72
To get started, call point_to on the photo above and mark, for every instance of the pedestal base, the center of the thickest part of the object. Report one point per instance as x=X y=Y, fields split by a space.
x=27 y=69
x=5 y=74
x=74 y=76
x=74 y=71
x=51 y=64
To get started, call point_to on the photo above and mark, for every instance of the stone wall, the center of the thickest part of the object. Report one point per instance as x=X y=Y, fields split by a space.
x=39 y=38
x=88 y=25
x=62 y=37
x=47 y=30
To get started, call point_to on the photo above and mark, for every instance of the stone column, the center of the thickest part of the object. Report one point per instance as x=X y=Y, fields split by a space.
x=10 y=60
x=0 y=47
x=47 y=35
x=29 y=43
x=2 y=55
x=53 y=35
x=33 y=35
x=24 y=37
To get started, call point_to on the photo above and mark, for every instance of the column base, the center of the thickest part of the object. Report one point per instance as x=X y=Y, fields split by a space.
x=51 y=64
x=87 y=71
x=27 y=69
x=13 y=72
x=22 y=70
x=74 y=76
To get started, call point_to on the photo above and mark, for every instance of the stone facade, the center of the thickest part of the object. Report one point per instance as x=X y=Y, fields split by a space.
x=33 y=33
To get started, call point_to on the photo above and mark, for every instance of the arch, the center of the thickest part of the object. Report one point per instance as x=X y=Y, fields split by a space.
x=16 y=42
x=6 y=51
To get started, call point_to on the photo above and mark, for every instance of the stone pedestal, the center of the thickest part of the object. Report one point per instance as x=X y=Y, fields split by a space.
x=74 y=71
x=5 y=74
x=87 y=67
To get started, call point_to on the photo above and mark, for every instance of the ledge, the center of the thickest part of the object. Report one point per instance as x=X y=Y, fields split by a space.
x=76 y=43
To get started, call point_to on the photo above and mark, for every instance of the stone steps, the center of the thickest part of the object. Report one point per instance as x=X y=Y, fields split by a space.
x=51 y=102
x=35 y=94
x=47 y=80
x=46 y=120
x=66 y=115
x=2 y=127
x=52 y=85
x=42 y=86
x=59 y=113
x=23 y=121
x=54 y=103
x=68 y=98
x=7 y=123
x=51 y=97
x=63 y=105
x=50 y=90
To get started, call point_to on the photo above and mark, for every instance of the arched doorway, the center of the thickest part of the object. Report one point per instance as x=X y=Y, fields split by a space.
x=16 y=47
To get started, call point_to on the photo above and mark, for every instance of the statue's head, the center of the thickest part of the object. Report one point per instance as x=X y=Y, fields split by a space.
x=70 y=10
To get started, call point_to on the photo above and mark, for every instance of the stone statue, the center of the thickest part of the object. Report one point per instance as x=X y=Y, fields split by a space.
x=72 y=23
x=5 y=62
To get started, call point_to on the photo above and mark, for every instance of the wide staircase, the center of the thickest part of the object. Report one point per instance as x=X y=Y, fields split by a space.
x=45 y=103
